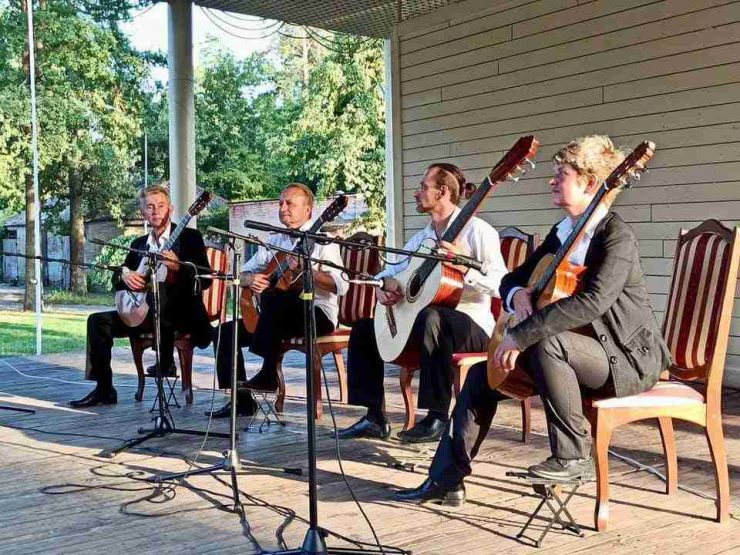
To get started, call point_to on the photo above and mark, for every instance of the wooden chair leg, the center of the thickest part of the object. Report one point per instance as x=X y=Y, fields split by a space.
x=405 y=378
x=669 y=450
x=138 y=353
x=601 y=459
x=459 y=374
x=185 y=355
x=317 y=388
x=280 y=399
x=526 y=405
x=341 y=376
x=716 y=441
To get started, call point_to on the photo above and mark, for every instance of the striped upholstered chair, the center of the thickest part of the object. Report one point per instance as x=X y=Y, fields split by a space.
x=516 y=246
x=696 y=328
x=214 y=301
x=359 y=302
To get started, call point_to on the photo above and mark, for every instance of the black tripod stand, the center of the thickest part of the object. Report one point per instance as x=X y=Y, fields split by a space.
x=231 y=462
x=164 y=422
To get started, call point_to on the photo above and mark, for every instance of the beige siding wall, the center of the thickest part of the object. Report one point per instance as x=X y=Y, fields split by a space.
x=476 y=75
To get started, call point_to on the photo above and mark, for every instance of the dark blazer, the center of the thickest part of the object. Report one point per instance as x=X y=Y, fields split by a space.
x=189 y=247
x=613 y=300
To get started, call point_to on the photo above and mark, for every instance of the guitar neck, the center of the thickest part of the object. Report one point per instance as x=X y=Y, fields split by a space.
x=469 y=210
x=566 y=247
x=181 y=225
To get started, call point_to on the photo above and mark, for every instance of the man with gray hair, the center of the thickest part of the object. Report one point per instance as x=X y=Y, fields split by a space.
x=181 y=307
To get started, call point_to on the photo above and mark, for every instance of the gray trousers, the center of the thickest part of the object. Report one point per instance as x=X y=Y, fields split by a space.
x=561 y=366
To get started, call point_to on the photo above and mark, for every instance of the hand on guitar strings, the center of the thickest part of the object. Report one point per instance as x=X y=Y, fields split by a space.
x=390 y=293
x=133 y=280
x=522 y=302
x=256 y=282
x=506 y=354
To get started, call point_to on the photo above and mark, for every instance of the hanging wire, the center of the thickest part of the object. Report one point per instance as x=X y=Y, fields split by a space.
x=221 y=16
x=219 y=26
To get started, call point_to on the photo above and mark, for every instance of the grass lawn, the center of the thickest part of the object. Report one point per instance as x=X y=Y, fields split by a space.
x=61 y=333
x=58 y=296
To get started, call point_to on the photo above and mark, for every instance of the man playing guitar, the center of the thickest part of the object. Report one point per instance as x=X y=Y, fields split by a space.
x=438 y=331
x=281 y=311
x=181 y=305
x=617 y=350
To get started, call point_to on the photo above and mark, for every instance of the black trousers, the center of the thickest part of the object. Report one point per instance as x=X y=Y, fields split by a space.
x=561 y=366
x=438 y=333
x=281 y=317
x=104 y=327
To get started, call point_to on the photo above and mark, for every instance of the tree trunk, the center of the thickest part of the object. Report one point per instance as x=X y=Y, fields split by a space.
x=78 y=276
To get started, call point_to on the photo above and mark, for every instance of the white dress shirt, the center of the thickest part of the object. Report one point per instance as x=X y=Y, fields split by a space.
x=578 y=252
x=478 y=240
x=155 y=244
x=325 y=300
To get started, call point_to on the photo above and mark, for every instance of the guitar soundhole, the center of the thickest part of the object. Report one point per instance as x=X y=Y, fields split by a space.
x=414 y=288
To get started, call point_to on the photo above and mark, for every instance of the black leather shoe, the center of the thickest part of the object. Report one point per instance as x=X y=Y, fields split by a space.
x=564 y=469
x=171 y=372
x=431 y=491
x=263 y=381
x=430 y=429
x=245 y=407
x=96 y=398
x=365 y=427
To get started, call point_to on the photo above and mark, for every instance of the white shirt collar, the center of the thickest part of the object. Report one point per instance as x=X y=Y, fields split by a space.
x=566 y=225
x=162 y=239
x=431 y=232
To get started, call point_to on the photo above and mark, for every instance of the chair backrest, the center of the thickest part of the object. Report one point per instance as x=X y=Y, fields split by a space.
x=696 y=326
x=516 y=246
x=213 y=297
x=359 y=302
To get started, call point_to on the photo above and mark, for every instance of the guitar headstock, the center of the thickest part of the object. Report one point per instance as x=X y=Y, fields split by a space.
x=632 y=167
x=334 y=209
x=200 y=203
x=516 y=162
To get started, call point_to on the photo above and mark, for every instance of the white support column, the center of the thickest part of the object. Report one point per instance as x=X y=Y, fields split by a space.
x=393 y=152
x=181 y=105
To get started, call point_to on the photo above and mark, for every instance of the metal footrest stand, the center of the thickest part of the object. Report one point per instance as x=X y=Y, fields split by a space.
x=171 y=382
x=550 y=494
x=265 y=400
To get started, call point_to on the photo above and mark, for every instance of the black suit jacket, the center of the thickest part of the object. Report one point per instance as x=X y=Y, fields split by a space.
x=614 y=300
x=179 y=296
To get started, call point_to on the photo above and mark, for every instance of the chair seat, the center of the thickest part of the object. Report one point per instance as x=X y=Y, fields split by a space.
x=469 y=358
x=662 y=394
x=338 y=335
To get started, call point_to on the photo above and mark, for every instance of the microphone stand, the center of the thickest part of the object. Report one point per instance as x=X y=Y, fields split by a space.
x=231 y=461
x=314 y=541
x=164 y=422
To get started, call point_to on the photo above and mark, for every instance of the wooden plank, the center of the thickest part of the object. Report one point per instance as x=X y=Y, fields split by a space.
x=466 y=44
x=725 y=210
x=656 y=49
x=418 y=99
x=477 y=97
x=639 y=107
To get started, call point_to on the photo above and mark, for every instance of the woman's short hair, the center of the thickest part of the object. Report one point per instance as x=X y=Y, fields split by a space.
x=450 y=176
x=591 y=156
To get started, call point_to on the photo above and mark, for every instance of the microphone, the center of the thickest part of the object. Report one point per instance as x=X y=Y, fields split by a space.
x=259 y=226
x=374 y=282
x=461 y=259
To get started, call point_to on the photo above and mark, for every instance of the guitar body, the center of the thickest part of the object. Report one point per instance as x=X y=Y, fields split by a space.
x=249 y=301
x=393 y=324
x=566 y=281
x=132 y=307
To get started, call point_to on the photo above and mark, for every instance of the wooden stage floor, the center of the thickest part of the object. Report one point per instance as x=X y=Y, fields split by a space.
x=57 y=496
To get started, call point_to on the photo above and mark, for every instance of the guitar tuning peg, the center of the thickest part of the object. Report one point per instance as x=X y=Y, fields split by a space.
x=637 y=176
x=515 y=178
x=531 y=164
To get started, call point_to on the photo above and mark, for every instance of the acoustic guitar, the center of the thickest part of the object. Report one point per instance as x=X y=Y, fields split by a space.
x=131 y=305
x=427 y=282
x=554 y=276
x=279 y=273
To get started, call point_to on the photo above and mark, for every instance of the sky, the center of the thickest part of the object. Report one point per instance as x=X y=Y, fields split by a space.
x=237 y=33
